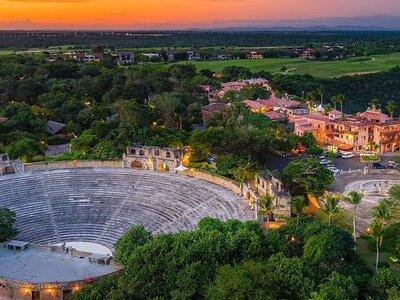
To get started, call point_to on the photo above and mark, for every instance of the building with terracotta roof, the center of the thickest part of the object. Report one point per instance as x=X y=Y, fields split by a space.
x=285 y=107
x=215 y=96
x=371 y=130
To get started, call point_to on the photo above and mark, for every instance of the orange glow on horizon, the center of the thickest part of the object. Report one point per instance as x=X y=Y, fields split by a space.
x=137 y=14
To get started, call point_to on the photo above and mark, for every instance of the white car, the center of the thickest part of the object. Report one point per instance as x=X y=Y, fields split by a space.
x=334 y=170
x=325 y=161
x=347 y=154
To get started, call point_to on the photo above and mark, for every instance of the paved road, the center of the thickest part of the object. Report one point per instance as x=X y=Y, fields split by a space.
x=355 y=163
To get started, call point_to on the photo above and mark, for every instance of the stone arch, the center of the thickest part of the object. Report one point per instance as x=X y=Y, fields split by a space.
x=136 y=164
x=9 y=170
x=248 y=196
x=162 y=166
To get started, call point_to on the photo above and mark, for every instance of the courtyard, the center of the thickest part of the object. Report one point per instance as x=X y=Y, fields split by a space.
x=374 y=187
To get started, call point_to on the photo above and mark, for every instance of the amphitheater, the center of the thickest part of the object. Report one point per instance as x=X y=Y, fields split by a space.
x=99 y=204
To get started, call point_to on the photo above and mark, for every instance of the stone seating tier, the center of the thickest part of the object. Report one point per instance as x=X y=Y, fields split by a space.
x=99 y=205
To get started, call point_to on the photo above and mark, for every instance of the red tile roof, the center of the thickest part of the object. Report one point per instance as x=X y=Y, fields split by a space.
x=374 y=115
x=275 y=116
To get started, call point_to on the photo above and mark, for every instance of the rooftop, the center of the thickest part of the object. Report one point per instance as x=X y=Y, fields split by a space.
x=37 y=266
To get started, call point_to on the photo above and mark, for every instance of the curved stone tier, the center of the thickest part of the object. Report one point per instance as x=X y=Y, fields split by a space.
x=99 y=205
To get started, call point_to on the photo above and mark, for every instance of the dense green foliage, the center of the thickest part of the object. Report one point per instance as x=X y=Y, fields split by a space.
x=306 y=176
x=7 y=220
x=362 y=42
x=107 y=107
x=358 y=90
x=237 y=260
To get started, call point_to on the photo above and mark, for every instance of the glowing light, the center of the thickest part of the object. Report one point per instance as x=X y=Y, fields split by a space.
x=76 y=288
x=25 y=291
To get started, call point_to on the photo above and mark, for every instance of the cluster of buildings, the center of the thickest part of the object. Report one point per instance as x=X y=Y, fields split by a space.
x=371 y=130
x=121 y=58
x=215 y=96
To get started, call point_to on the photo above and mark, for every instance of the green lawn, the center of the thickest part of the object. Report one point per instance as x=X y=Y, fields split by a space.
x=371 y=64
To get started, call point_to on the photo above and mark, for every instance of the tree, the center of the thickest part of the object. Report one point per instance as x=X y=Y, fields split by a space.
x=298 y=203
x=168 y=105
x=386 y=280
x=279 y=278
x=374 y=103
x=382 y=215
x=266 y=207
x=391 y=107
x=133 y=238
x=85 y=142
x=330 y=246
x=337 y=287
x=24 y=148
x=339 y=98
x=354 y=198
x=307 y=176
x=331 y=207
x=7 y=220
x=376 y=231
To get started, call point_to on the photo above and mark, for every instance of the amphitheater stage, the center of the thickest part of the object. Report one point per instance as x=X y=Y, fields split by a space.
x=34 y=266
x=99 y=205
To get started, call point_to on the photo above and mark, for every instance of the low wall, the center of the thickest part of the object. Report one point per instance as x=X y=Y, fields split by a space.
x=226 y=183
x=73 y=164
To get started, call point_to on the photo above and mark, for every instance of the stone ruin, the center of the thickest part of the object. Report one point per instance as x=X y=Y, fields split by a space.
x=266 y=184
x=8 y=166
x=153 y=158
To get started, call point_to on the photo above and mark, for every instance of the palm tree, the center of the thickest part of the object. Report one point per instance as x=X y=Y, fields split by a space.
x=391 y=107
x=331 y=208
x=374 y=103
x=381 y=214
x=266 y=206
x=339 y=98
x=376 y=232
x=335 y=101
x=298 y=204
x=354 y=198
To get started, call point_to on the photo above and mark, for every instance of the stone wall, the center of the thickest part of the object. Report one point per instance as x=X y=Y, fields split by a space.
x=8 y=166
x=226 y=183
x=73 y=164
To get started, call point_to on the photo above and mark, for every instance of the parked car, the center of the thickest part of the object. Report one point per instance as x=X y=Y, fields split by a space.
x=377 y=166
x=392 y=165
x=334 y=170
x=370 y=154
x=347 y=154
x=325 y=161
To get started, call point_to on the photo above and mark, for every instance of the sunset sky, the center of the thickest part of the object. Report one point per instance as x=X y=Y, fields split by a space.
x=147 y=14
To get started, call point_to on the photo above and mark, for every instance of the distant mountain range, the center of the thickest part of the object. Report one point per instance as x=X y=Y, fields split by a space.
x=365 y=23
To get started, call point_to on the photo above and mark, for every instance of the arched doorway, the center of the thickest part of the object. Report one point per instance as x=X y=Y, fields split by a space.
x=8 y=170
x=162 y=166
x=136 y=165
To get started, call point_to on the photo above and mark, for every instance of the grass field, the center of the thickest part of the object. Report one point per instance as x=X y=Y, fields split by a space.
x=359 y=65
